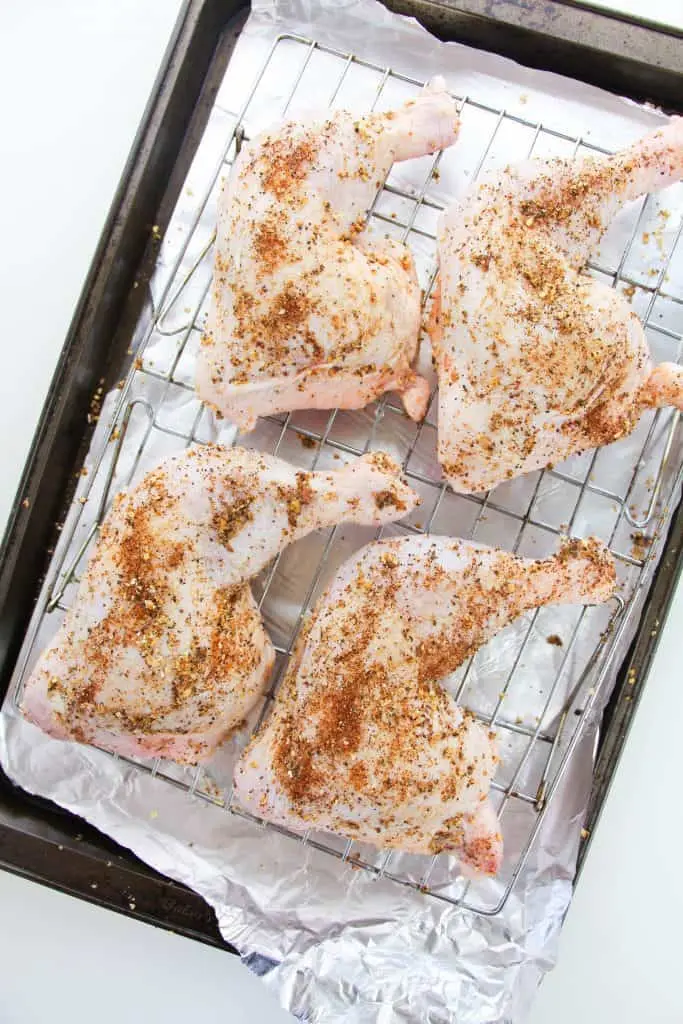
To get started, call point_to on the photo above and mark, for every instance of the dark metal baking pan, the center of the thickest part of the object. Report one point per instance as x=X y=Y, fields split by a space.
x=633 y=58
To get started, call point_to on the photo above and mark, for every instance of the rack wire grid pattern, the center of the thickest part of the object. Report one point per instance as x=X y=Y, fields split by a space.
x=660 y=442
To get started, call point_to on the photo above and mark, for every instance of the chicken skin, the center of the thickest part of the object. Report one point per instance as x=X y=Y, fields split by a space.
x=537 y=361
x=363 y=740
x=308 y=309
x=164 y=651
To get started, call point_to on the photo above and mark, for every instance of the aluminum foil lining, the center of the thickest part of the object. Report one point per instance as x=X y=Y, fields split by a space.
x=343 y=932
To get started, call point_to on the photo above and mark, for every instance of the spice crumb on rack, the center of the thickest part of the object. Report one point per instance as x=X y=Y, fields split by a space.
x=307 y=442
x=640 y=544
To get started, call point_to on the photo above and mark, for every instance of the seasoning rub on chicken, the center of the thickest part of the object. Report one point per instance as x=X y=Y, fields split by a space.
x=363 y=740
x=308 y=309
x=164 y=650
x=536 y=360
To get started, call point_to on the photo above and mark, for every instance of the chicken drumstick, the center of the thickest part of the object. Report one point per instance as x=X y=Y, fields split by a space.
x=363 y=741
x=308 y=309
x=164 y=650
x=537 y=361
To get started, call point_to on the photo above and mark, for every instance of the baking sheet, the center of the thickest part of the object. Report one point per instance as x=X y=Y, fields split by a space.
x=336 y=941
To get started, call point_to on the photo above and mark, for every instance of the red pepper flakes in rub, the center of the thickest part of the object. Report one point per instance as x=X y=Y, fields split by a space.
x=269 y=331
x=289 y=164
x=270 y=245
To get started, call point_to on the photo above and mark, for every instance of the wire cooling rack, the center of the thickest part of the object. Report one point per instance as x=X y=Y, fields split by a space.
x=624 y=488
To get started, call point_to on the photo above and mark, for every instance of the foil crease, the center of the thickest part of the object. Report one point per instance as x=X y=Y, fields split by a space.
x=334 y=941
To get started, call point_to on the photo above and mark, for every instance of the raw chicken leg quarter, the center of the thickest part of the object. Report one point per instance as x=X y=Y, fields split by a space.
x=308 y=309
x=363 y=740
x=537 y=361
x=164 y=650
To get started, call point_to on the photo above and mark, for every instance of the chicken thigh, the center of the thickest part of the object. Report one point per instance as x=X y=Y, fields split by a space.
x=164 y=650
x=363 y=740
x=537 y=361
x=309 y=310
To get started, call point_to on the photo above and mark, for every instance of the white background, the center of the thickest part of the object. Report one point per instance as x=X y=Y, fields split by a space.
x=74 y=78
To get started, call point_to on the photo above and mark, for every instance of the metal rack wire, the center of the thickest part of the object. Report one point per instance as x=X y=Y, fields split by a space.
x=409 y=214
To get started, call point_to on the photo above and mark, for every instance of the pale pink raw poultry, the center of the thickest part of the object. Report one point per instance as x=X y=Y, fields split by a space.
x=363 y=741
x=308 y=309
x=536 y=360
x=164 y=650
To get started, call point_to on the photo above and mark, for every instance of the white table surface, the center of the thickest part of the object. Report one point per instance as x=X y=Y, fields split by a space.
x=75 y=76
